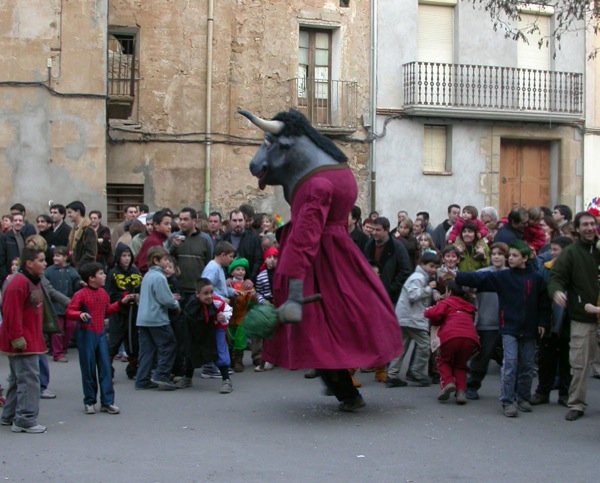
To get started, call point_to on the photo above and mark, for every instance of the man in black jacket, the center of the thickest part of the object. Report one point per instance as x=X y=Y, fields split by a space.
x=391 y=256
x=246 y=243
x=11 y=246
x=61 y=231
x=358 y=236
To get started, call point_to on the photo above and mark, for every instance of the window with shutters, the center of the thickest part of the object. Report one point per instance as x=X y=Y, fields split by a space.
x=435 y=50
x=118 y=196
x=314 y=74
x=435 y=150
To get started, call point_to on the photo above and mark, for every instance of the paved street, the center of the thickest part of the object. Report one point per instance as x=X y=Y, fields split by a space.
x=278 y=426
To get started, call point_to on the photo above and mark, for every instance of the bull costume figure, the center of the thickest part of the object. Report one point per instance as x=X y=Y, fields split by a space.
x=354 y=324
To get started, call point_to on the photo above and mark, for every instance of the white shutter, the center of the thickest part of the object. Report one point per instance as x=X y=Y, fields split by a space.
x=435 y=34
x=434 y=149
x=530 y=56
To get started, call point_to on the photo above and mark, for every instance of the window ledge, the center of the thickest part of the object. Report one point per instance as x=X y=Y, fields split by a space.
x=437 y=173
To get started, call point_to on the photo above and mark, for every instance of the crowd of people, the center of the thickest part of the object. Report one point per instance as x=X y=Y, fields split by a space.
x=167 y=293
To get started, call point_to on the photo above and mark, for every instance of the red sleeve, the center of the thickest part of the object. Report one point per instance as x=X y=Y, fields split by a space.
x=303 y=241
x=455 y=230
x=535 y=237
x=481 y=228
x=436 y=313
x=113 y=308
x=73 y=310
x=13 y=297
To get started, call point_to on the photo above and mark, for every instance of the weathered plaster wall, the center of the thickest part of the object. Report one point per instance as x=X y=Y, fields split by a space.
x=52 y=147
x=254 y=57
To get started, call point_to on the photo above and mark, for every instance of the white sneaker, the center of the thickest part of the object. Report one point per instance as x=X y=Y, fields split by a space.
x=111 y=409
x=269 y=366
x=89 y=409
x=226 y=387
x=38 y=428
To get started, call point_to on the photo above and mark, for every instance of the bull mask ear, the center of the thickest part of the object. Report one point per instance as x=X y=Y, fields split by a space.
x=273 y=127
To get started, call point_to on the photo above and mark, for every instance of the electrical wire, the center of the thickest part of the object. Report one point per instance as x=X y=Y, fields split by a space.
x=72 y=95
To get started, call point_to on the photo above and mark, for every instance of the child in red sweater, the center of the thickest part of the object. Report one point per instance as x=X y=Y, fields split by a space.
x=90 y=306
x=458 y=341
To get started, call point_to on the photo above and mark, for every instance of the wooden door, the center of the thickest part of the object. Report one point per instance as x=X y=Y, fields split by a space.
x=524 y=174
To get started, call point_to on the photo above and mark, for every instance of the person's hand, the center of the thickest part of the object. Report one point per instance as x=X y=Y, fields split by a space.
x=437 y=296
x=247 y=285
x=177 y=296
x=137 y=298
x=100 y=240
x=176 y=241
x=128 y=298
x=290 y=311
x=591 y=309
x=541 y=331
x=237 y=293
x=228 y=282
x=85 y=317
x=19 y=344
x=560 y=299
x=220 y=317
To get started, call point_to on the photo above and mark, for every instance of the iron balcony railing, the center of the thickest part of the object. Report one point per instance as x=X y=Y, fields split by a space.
x=328 y=104
x=491 y=89
x=122 y=67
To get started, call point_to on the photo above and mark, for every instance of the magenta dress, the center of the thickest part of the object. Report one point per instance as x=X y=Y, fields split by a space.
x=354 y=325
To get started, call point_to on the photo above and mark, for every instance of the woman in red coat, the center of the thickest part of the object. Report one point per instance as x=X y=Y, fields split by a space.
x=458 y=341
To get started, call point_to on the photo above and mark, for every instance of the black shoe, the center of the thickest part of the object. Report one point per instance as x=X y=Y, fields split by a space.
x=573 y=415
x=389 y=382
x=311 y=374
x=472 y=394
x=563 y=401
x=538 y=399
x=353 y=404
x=421 y=381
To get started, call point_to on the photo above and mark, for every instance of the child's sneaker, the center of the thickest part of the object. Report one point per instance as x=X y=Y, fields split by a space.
x=226 y=387
x=510 y=410
x=461 y=397
x=269 y=366
x=38 y=428
x=209 y=371
x=446 y=391
x=181 y=382
x=110 y=409
x=164 y=385
x=524 y=406
x=89 y=409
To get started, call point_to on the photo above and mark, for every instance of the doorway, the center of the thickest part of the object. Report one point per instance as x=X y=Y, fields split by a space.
x=524 y=174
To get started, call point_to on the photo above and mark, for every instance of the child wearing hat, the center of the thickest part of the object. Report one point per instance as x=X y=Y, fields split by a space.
x=241 y=302
x=264 y=291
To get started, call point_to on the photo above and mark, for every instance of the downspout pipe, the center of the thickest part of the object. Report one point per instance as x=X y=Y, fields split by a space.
x=373 y=96
x=208 y=110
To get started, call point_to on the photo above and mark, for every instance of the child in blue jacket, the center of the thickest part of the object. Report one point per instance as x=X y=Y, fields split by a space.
x=524 y=310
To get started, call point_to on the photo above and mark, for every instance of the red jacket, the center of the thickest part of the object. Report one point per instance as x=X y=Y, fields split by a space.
x=535 y=237
x=95 y=302
x=22 y=308
x=454 y=315
x=154 y=239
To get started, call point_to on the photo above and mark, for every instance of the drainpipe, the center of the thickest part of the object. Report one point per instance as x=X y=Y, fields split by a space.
x=209 y=61
x=373 y=96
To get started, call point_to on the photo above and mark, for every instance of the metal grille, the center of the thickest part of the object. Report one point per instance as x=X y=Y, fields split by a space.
x=122 y=66
x=326 y=103
x=118 y=196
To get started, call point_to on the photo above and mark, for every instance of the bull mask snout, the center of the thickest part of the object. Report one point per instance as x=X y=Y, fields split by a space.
x=273 y=127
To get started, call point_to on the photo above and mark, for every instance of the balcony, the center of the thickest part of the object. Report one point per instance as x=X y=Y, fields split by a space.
x=489 y=92
x=330 y=105
x=122 y=67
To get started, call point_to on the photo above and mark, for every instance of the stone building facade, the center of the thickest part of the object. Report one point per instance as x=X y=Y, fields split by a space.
x=125 y=100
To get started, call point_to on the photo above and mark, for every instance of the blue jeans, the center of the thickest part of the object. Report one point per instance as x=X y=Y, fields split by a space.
x=23 y=392
x=157 y=348
x=517 y=368
x=93 y=357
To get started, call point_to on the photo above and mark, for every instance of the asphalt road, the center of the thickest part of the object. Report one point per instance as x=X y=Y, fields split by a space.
x=277 y=426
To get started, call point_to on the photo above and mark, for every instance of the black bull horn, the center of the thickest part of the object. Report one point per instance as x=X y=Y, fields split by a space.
x=273 y=127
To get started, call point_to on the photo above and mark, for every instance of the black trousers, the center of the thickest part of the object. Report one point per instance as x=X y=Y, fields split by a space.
x=488 y=339
x=339 y=381
x=553 y=361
